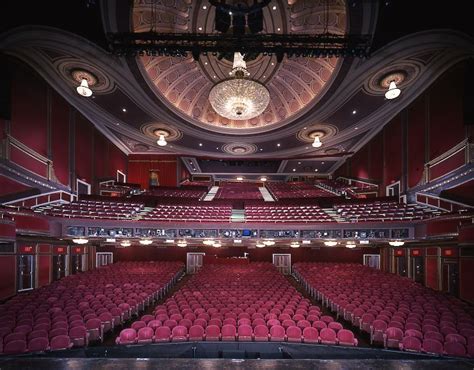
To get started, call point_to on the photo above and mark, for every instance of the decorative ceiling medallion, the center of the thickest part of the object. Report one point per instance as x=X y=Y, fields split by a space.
x=294 y=85
x=403 y=73
x=324 y=131
x=332 y=151
x=73 y=71
x=140 y=147
x=239 y=148
x=155 y=129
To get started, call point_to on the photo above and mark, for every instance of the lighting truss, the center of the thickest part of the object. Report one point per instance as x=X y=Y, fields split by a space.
x=291 y=45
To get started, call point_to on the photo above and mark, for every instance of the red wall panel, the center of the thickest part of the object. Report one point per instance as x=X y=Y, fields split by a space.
x=44 y=267
x=431 y=268
x=466 y=277
x=60 y=138
x=9 y=186
x=139 y=167
x=446 y=112
x=31 y=223
x=24 y=160
x=84 y=148
x=450 y=164
x=117 y=161
x=7 y=230
x=7 y=276
x=360 y=164
x=393 y=151
x=28 y=115
x=416 y=142
x=101 y=155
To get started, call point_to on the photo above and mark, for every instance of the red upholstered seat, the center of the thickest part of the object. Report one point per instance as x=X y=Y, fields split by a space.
x=38 y=344
x=213 y=333
x=310 y=335
x=196 y=333
x=145 y=335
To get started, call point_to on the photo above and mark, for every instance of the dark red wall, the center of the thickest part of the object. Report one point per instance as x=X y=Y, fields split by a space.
x=437 y=114
x=139 y=167
x=7 y=275
x=173 y=253
x=35 y=105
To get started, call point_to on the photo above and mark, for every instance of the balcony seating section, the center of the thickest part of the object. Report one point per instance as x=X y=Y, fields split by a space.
x=238 y=190
x=79 y=309
x=177 y=193
x=383 y=211
x=286 y=213
x=295 y=190
x=252 y=302
x=395 y=311
x=190 y=212
x=97 y=209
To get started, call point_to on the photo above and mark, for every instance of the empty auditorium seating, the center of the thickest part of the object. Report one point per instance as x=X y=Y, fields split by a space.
x=75 y=310
x=237 y=303
x=291 y=190
x=380 y=211
x=97 y=209
x=190 y=212
x=238 y=190
x=395 y=310
x=192 y=192
x=302 y=213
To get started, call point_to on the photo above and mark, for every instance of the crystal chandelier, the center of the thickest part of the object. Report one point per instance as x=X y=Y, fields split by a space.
x=239 y=98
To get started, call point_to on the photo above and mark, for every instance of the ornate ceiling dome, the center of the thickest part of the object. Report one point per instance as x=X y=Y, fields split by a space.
x=294 y=85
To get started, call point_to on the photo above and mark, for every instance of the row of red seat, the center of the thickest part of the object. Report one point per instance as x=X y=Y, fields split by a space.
x=392 y=308
x=291 y=190
x=277 y=213
x=245 y=302
x=82 y=308
x=97 y=209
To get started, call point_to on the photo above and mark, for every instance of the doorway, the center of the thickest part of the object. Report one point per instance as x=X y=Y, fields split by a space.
x=283 y=263
x=418 y=269
x=104 y=258
x=450 y=278
x=194 y=262
x=372 y=260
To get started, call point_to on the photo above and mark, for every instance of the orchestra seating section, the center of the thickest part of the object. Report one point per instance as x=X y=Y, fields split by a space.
x=238 y=190
x=291 y=190
x=286 y=213
x=252 y=302
x=190 y=212
x=97 y=209
x=381 y=211
x=112 y=188
x=395 y=311
x=80 y=309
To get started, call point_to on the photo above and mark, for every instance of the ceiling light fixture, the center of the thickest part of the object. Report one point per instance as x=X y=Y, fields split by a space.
x=393 y=91
x=396 y=243
x=239 y=178
x=330 y=243
x=217 y=245
x=306 y=241
x=110 y=240
x=83 y=89
x=237 y=241
x=317 y=142
x=80 y=241
x=239 y=98
x=350 y=245
x=295 y=245
x=260 y=245
x=169 y=241
x=162 y=141
x=263 y=179
x=208 y=242
x=182 y=244
x=145 y=241
x=268 y=242
x=126 y=243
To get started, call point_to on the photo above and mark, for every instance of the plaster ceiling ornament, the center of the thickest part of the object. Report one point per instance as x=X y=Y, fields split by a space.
x=295 y=85
x=322 y=131
x=403 y=73
x=155 y=129
x=239 y=149
x=74 y=71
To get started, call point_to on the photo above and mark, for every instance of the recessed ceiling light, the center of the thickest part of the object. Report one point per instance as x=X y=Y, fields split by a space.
x=354 y=111
x=261 y=149
x=200 y=144
x=307 y=147
x=200 y=28
x=304 y=128
x=278 y=29
x=294 y=169
x=315 y=170
x=356 y=128
x=205 y=63
x=230 y=13
x=124 y=110
x=215 y=76
x=217 y=147
x=322 y=162
x=204 y=7
x=273 y=64
x=274 y=7
x=278 y=144
x=263 y=76
x=299 y=162
x=118 y=124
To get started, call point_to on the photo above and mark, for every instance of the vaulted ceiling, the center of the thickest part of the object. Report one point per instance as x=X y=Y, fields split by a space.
x=136 y=98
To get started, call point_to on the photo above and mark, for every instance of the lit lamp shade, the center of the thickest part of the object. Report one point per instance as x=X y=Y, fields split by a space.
x=162 y=141
x=317 y=142
x=393 y=91
x=83 y=89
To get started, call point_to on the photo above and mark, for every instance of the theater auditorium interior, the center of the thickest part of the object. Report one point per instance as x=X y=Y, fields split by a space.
x=271 y=184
